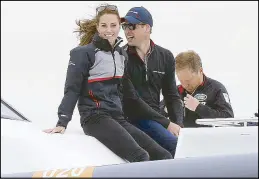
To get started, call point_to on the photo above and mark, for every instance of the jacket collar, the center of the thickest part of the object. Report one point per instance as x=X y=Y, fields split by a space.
x=103 y=44
x=132 y=49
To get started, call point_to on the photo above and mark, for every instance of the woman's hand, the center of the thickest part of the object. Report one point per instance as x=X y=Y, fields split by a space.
x=58 y=129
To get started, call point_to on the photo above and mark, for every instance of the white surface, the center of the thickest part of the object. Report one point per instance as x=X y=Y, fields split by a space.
x=226 y=121
x=25 y=148
x=35 y=44
x=248 y=119
x=197 y=142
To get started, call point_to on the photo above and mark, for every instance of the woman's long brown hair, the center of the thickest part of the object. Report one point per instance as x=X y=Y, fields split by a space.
x=87 y=27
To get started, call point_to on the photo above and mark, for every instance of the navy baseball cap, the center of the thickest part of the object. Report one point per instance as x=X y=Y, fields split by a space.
x=138 y=15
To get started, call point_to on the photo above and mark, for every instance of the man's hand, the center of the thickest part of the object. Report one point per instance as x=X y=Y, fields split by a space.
x=174 y=128
x=191 y=102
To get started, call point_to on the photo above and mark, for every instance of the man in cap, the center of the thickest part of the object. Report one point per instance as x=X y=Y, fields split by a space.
x=151 y=68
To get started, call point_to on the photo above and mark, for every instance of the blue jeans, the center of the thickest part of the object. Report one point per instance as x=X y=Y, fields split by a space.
x=158 y=133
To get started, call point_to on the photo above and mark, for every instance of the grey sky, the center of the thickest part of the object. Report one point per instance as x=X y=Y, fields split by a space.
x=36 y=38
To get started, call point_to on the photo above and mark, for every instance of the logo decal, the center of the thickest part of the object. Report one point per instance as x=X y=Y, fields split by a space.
x=71 y=63
x=161 y=72
x=226 y=97
x=134 y=12
x=73 y=172
x=201 y=97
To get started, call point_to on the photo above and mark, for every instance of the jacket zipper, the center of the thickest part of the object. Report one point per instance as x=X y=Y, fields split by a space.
x=114 y=63
x=145 y=62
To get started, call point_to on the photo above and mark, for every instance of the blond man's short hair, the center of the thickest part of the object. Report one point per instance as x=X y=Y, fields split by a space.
x=188 y=59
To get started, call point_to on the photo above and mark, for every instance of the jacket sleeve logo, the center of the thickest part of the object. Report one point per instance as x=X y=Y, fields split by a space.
x=226 y=97
x=200 y=97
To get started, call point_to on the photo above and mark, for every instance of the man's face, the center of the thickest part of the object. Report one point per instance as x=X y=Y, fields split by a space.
x=135 y=33
x=189 y=80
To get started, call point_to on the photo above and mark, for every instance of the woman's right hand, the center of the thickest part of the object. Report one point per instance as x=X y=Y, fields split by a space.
x=58 y=129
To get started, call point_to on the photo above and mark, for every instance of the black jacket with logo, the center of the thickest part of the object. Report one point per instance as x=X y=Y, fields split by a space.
x=149 y=77
x=93 y=75
x=214 y=102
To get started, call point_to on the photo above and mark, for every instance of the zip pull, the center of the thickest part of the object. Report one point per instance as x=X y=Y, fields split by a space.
x=146 y=74
x=114 y=63
x=183 y=109
x=184 y=113
x=145 y=61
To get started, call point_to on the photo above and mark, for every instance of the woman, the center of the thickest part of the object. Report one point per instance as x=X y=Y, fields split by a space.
x=94 y=74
